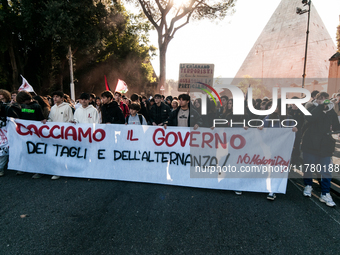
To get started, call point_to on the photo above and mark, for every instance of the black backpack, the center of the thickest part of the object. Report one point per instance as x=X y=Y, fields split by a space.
x=140 y=119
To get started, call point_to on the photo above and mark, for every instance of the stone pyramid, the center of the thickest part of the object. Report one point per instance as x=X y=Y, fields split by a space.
x=280 y=49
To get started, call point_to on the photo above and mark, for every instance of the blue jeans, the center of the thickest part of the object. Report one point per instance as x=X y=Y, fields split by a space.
x=320 y=165
x=3 y=162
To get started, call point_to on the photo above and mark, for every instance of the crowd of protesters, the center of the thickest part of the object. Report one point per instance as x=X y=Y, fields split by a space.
x=313 y=133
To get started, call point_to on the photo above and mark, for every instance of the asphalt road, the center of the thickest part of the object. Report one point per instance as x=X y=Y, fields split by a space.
x=81 y=216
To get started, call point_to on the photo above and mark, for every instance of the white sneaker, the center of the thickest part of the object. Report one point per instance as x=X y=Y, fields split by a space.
x=271 y=196
x=55 y=177
x=327 y=199
x=307 y=192
x=239 y=193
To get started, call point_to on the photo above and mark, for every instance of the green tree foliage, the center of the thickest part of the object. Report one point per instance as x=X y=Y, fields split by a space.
x=167 y=16
x=36 y=36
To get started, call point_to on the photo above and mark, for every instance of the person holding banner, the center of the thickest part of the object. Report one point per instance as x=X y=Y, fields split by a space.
x=318 y=146
x=183 y=116
x=86 y=113
x=30 y=110
x=111 y=112
x=60 y=112
x=159 y=112
x=134 y=118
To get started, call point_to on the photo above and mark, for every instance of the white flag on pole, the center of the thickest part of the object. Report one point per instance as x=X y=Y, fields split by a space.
x=121 y=86
x=26 y=86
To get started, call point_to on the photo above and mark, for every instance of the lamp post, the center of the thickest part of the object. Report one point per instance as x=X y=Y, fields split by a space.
x=300 y=12
x=71 y=74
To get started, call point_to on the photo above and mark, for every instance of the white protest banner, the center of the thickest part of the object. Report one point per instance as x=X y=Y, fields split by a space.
x=223 y=158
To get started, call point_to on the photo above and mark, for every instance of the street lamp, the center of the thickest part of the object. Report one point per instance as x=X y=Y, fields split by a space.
x=73 y=97
x=300 y=12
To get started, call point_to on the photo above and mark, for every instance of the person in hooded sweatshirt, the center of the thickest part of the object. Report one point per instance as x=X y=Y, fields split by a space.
x=111 y=112
x=60 y=111
x=86 y=113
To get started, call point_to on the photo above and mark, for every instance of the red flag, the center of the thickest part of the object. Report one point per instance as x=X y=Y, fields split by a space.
x=106 y=84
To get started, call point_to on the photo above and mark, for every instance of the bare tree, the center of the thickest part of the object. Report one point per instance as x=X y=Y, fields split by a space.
x=159 y=11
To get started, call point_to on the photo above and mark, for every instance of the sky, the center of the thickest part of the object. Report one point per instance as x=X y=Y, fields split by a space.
x=226 y=43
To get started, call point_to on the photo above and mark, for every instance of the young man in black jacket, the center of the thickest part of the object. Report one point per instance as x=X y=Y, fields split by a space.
x=111 y=112
x=318 y=146
x=30 y=110
x=159 y=111
x=184 y=116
